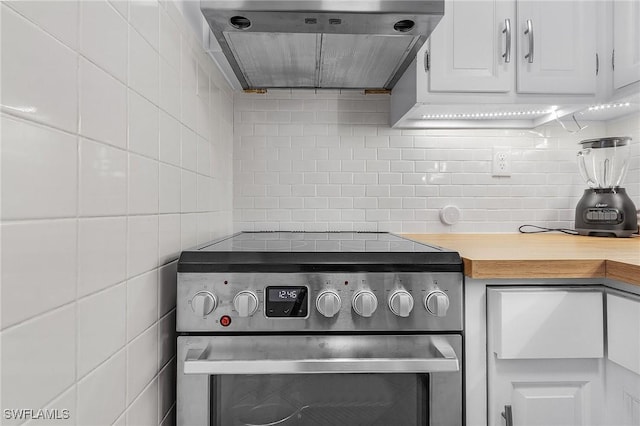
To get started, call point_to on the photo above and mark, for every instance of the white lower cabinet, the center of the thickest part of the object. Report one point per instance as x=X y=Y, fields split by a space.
x=623 y=359
x=545 y=356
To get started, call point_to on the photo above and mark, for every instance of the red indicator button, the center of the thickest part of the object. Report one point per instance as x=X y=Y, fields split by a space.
x=225 y=320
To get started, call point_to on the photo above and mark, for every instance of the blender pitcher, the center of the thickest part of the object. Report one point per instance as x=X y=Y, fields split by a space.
x=603 y=163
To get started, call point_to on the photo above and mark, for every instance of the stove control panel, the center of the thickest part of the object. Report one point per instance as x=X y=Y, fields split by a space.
x=271 y=302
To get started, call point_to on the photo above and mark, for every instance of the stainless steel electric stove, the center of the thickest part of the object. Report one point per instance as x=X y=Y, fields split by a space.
x=345 y=328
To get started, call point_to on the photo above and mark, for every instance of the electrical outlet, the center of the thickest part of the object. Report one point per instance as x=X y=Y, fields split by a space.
x=501 y=165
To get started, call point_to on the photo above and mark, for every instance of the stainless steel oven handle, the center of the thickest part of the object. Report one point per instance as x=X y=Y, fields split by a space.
x=197 y=361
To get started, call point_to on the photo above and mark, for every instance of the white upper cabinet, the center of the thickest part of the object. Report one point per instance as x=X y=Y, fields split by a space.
x=626 y=42
x=556 y=47
x=551 y=45
x=471 y=47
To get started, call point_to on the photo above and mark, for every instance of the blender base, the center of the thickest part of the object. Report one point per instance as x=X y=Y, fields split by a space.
x=606 y=212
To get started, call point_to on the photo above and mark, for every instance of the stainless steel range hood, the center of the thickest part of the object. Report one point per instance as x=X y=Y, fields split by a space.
x=355 y=44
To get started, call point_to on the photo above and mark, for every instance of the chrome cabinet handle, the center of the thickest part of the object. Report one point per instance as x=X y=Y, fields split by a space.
x=529 y=32
x=507 y=415
x=427 y=61
x=507 y=41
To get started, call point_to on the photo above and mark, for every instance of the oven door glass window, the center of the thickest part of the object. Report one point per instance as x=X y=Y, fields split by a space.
x=320 y=399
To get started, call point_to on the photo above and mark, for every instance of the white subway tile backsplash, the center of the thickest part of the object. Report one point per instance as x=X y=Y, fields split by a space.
x=170 y=187
x=39 y=74
x=28 y=291
x=103 y=105
x=38 y=359
x=101 y=327
x=103 y=35
x=102 y=244
x=101 y=394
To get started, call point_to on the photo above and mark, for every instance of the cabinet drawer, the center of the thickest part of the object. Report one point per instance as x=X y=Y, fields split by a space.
x=623 y=331
x=534 y=324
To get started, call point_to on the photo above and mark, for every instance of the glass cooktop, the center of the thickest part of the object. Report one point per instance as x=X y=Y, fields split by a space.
x=319 y=242
x=317 y=252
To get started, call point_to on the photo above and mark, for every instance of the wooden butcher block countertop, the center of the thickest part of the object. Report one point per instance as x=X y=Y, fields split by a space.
x=542 y=255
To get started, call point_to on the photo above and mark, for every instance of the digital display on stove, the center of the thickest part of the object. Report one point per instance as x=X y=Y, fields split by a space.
x=286 y=301
x=285 y=294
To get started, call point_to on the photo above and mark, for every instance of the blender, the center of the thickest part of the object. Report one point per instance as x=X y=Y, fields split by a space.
x=605 y=209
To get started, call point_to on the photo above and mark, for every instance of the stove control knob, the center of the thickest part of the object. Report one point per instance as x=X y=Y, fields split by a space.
x=401 y=303
x=203 y=303
x=437 y=303
x=246 y=303
x=328 y=303
x=364 y=303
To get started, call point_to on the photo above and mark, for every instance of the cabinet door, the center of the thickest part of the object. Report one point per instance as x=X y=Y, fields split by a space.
x=626 y=42
x=623 y=367
x=545 y=356
x=556 y=47
x=537 y=398
x=466 y=47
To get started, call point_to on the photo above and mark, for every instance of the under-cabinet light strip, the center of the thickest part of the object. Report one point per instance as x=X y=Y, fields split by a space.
x=485 y=115
x=607 y=106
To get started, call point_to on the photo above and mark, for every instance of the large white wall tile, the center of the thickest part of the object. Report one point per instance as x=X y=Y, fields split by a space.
x=101 y=395
x=143 y=126
x=169 y=139
x=169 y=89
x=142 y=362
x=170 y=186
x=39 y=74
x=39 y=171
x=169 y=238
x=189 y=149
x=103 y=35
x=102 y=258
x=92 y=124
x=60 y=18
x=144 y=410
x=144 y=17
x=103 y=179
x=66 y=401
x=144 y=75
x=29 y=291
x=103 y=106
x=143 y=185
x=142 y=244
x=142 y=303
x=101 y=327
x=38 y=359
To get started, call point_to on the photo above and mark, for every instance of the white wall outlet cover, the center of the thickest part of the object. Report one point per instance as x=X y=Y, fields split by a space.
x=501 y=161
x=450 y=215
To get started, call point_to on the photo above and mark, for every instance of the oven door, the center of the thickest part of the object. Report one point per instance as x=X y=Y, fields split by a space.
x=408 y=380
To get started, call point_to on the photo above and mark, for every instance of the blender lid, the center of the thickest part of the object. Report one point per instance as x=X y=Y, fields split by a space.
x=610 y=142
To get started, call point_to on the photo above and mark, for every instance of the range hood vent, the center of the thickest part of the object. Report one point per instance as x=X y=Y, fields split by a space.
x=328 y=44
